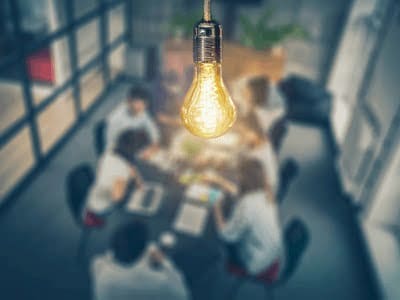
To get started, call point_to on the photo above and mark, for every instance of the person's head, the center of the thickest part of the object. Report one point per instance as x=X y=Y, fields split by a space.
x=251 y=175
x=138 y=99
x=129 y=242
x=258 y=90
x=130 y=142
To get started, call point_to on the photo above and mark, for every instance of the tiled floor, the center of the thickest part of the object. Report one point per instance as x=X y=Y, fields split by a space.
x=39 y=237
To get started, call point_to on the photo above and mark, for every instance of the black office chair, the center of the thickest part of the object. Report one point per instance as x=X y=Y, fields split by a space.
x=278 y=132
x=307 y=101
x=78 y=184
x=287 y=173
x=296 y=241
x=100 y=137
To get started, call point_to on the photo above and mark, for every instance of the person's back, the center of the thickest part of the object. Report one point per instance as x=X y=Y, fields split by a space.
x=252 y=233
x=131 y=272
x=115 y=172
x=262 y=242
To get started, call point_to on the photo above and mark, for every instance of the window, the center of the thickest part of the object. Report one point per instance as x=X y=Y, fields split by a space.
x=116 y=61
x=53 y=73
x=55 y=120
x=88 y=42
x=48 y=69
x=16 y=158
x=116 y=22
x=12 y=105
x=92 y=85
x=83 y=7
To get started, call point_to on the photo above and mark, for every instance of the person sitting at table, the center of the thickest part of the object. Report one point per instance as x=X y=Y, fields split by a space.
x=252 y=234
x=135 y=270
x=115 y=173
x=133 y=114
x=261 y=149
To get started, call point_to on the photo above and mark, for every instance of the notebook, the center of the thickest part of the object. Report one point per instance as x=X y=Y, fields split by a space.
x=191 y=219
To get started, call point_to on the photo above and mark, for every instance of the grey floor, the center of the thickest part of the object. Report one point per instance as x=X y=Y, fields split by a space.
x=39 y=237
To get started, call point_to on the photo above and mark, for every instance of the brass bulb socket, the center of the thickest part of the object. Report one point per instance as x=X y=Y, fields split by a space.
x=207 y=39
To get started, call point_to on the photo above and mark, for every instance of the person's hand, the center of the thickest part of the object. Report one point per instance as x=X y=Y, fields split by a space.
x=147 y=153
x=156 y=256
x=210 y=177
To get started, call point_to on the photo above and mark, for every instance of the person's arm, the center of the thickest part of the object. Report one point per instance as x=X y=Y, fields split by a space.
x=113 y=122
x=118 y=189
x=233 y=229
x=223 y=183
x=135 y=175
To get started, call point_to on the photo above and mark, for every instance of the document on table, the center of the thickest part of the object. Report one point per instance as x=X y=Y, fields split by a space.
x=203 y=193
x=191 y=219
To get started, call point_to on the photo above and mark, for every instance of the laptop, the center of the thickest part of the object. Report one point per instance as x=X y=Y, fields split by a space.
x=146 y=200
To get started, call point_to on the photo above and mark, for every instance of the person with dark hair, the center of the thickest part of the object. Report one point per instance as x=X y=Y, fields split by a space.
x=115 y=173
x=252 y=233
x=133 y=114
x=134 y=270
x=259 y=146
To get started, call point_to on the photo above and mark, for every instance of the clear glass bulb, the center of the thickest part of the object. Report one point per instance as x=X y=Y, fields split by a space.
x=208 y=110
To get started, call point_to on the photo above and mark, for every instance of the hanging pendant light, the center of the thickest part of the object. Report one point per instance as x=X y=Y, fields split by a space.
x=207 y=110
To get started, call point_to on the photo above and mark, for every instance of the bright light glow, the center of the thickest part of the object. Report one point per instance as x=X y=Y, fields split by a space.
x=208 y=110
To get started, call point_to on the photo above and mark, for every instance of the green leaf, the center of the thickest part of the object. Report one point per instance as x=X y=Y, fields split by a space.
x=259 y=35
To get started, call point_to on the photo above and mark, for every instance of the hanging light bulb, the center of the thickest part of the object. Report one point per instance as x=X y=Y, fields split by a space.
x=207 y=110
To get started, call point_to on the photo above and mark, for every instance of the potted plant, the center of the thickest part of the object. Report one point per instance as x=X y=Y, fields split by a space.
x=259 y=51
x=261 y=36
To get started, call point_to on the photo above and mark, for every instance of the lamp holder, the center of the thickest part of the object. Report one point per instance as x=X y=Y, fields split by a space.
x=207 y=39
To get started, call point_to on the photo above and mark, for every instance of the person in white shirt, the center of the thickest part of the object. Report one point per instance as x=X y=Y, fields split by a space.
x=133 y=114
x=116 y=171
x=134 y=270
x=253 y=232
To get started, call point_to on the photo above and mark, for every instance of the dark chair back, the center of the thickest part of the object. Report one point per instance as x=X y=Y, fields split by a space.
x=278 y=133
x=296 y=238
x=287 y=173
x=100 y=137
x=78 y=184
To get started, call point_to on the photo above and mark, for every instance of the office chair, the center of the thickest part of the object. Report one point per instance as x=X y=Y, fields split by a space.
x=278 y=132
x=78 y=185
x=307 y=101
x=296 y=240
x=100 y=137
x=287 y=173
